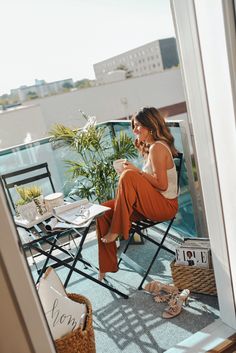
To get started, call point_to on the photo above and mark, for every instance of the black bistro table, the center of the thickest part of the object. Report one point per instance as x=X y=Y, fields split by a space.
x=35 y=238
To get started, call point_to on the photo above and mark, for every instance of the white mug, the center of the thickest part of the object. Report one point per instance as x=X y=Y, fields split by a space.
x=119 y=165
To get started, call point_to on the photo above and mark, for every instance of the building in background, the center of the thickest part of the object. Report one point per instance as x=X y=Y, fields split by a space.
x=33 y=119
x=147 y=59
x=45 y=104
x=42 y=89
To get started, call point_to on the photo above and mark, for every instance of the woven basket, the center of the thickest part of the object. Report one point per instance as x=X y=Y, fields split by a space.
x=196 y=279
x=79 y=341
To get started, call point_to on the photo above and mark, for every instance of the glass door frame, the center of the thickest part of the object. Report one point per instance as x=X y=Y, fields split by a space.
x=205 y=33
x=17 y=278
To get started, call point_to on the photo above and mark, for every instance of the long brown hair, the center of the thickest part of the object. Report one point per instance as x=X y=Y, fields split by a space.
x=153 y=120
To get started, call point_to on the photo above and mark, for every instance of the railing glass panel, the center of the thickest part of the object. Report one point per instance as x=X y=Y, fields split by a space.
x=43 y=151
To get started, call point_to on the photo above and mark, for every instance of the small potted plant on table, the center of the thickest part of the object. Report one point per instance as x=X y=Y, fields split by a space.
x=30 y=203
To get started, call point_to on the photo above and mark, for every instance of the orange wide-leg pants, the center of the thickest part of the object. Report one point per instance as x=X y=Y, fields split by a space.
x=136 y=199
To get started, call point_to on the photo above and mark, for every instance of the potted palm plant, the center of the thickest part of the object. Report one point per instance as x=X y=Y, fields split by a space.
x=92 y=170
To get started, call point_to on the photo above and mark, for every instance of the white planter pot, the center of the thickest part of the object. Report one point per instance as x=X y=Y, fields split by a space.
x=28 y=211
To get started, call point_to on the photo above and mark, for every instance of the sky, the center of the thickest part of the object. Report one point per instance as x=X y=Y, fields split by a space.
x=58 y=39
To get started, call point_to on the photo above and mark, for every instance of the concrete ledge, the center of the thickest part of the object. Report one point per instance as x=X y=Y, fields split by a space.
x=204 y=340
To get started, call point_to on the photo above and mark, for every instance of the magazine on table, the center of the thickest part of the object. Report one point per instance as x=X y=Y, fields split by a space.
x=56 y=225
x=79 y=212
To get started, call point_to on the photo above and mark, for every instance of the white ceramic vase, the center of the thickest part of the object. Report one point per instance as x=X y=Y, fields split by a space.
x=28 y=211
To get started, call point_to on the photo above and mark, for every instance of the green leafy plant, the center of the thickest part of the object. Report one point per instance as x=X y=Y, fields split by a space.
x=93 y=168
x=35 y=191
x=21 y=202
x=27 y=194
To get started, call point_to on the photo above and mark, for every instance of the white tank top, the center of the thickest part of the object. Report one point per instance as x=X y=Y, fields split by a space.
x=171 y=192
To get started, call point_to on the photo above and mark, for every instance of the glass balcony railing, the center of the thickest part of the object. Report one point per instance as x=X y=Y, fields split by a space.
x=43 y=150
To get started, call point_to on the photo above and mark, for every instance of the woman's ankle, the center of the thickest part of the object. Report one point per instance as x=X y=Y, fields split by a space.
x=101 y=276
x=109 y=237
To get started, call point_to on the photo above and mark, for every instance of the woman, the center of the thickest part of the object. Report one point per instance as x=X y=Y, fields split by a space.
x=148 y=193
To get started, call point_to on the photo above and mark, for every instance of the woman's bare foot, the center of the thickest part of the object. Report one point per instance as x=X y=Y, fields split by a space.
x=101 y=276
x=109 y=238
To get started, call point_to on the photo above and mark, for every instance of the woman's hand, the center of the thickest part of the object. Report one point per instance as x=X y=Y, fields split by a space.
x=128 y=165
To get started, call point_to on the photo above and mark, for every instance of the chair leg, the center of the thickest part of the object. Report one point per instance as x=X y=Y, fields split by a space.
x=159 y=247
x=156 y=254
x=34 y=262
x=127 y=245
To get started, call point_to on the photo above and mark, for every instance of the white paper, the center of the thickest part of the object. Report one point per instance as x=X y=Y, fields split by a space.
x=25 y=235
x=52 y=277
x=78 y=213
x=55 y=224
x=24 y=223
x=194 y=243
x=63 y=314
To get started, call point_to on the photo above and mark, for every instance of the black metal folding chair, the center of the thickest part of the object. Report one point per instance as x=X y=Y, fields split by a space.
x=39 y=174
x=26 y=176
x=140 y=226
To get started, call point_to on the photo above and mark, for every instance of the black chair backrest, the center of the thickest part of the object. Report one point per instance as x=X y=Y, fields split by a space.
x=25 y=176
x=178 y=163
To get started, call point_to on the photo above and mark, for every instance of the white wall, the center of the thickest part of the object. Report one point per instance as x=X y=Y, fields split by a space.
x=209 y=79
x=105 y=102
x=12 y=321
x=110 y=101
x=23 y=324
x=21 y=125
